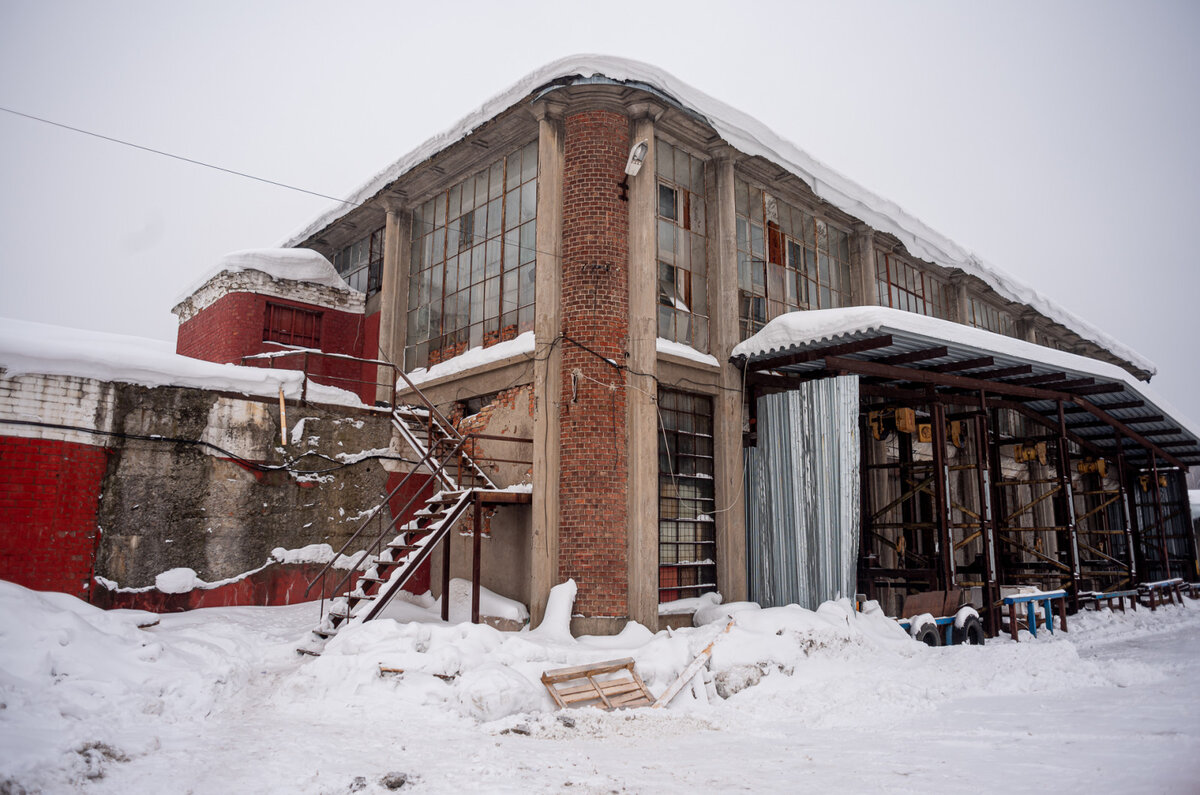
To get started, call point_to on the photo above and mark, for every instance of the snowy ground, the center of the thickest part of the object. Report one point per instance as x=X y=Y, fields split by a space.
x=217 y=701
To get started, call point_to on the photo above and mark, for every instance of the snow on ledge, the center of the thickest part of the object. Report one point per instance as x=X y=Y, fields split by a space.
x=828 y=325
x=752 y=137
x=522 y=345
x=289 y=264
x=684 y=352
x=28 y=348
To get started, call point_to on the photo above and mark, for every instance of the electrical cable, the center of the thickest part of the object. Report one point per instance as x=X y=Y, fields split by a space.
x=253 y=465
x=177 y=157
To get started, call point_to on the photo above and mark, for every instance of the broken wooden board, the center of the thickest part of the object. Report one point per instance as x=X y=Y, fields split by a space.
x=582 y=686
x=690 y=672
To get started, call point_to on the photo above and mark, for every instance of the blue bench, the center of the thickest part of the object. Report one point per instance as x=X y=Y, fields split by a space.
x=1162 y=591
x=1115 y=599
x=1030 y=600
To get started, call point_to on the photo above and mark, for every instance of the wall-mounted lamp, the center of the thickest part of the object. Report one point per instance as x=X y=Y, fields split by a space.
x=637 y=155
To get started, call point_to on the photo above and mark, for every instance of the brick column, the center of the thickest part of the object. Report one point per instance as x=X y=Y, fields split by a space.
x=593 y=466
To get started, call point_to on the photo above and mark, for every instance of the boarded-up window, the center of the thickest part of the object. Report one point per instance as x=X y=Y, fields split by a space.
x=291 y=325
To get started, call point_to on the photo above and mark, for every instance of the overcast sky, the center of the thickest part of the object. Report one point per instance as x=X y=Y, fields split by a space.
x=1057 y=140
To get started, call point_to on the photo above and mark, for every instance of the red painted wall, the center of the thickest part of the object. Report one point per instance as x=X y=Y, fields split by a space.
x=49 y=494
x=420 y=487
x=370 y=350
x=232 y=327
x=595 y=311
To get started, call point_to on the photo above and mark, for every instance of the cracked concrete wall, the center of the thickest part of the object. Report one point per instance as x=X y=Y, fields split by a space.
x=172 y=504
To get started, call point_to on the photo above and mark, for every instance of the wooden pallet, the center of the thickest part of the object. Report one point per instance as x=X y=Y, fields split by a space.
x=582 y=685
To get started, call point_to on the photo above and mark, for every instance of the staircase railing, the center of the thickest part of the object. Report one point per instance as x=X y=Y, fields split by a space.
x=376 y=544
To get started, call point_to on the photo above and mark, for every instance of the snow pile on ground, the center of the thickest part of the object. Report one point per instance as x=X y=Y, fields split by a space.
x=217 y=700
x=42 y=349
x=77 y=685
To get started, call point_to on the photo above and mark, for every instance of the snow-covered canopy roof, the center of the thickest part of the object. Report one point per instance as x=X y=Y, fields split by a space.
x=752 y=137
x=904 y=347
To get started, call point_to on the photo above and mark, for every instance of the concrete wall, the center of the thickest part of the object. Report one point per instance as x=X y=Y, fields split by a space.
x=119 y=480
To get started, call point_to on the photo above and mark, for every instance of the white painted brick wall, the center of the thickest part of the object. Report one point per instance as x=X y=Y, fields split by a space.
x=58 y=400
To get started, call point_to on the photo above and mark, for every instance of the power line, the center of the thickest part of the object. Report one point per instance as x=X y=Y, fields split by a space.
x=177 y=157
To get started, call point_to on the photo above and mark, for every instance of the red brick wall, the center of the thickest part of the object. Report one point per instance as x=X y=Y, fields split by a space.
x=595 y=312
x=49 y=494
x=232 y=327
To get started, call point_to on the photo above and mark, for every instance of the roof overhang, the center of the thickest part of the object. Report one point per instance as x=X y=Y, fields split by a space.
x=898 y=353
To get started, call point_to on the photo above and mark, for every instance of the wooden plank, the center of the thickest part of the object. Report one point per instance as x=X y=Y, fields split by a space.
x=691 y=670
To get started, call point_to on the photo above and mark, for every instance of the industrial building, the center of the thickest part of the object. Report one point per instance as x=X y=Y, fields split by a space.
x=636 y=339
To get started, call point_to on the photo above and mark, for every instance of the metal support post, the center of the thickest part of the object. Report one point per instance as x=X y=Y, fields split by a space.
x=1131 y=549
x=446 y=577
x=987 y=521
x=1158 y=517
x=866 y=582
x=1066 y=502
x=475 y=550
x=941 y=494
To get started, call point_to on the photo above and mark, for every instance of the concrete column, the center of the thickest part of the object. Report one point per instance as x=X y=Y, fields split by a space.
x=727 y=422
x=393 y=294
x=641 y=390
x=960 y=302
x=547 y=367
x=1026 y=330
x=863 y=291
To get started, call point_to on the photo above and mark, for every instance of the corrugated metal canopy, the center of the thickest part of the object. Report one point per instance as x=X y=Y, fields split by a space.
x=903 y=350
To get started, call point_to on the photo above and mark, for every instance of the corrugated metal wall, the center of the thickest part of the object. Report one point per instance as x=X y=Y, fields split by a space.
x=802 y=484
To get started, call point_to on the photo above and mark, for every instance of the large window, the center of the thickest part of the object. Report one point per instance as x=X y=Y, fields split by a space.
x=290 y=325
x=682 y=266
x=686 y=531
x=901 y=286
x=987 y=317
x=787 y=259
x=471 y=279
x=361 y=263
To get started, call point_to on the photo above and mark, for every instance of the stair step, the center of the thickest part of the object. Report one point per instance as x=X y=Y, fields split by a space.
x=405 y=547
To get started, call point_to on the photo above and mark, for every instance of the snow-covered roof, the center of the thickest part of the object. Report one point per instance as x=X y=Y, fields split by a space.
x=752 y=137
x=28 y=348
x=294 y=264
x=910 y=332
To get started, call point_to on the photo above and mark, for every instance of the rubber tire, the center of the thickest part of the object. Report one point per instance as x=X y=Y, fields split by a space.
x=970 y=633
x=930 y=634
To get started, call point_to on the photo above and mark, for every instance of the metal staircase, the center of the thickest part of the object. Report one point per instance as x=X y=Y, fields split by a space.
x=394 y=554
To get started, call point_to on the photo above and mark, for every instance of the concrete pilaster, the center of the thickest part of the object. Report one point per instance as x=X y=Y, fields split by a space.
x=393 y=293
x=727 y=422
x=960 y=302
x=641 y=389
x=862 y=268
x=543 y=538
